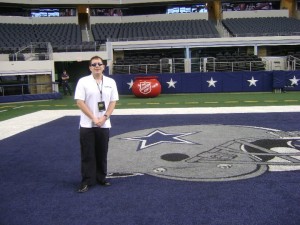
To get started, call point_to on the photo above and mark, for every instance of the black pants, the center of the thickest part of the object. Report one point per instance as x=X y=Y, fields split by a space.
x=94 y=149
x=66 y=87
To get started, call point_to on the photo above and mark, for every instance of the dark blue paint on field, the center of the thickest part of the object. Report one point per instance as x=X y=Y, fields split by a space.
x=40 y=170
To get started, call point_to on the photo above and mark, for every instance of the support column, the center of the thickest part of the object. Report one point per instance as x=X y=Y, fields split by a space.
x=214 y=10
x=187 y=60
x=110 y=57
x=255 y=49
x=290 y=5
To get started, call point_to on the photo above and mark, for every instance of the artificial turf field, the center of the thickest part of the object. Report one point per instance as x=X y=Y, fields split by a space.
x=233 y=158
x=10 y=110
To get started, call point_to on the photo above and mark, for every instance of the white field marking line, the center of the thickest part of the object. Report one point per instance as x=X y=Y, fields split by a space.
x=19 y=124
x=207 y=110
x=18 y=107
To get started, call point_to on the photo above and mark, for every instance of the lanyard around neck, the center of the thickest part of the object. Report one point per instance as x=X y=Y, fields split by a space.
x=100 y=90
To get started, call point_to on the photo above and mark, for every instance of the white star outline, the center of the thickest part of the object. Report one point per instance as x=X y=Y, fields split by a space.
x=294 y=81
x=211 y=82
x=171 y=83
x=130 y=84
x=177 y=139
x=252 y=82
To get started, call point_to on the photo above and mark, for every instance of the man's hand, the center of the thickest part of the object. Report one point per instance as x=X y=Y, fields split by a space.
x=99 y=121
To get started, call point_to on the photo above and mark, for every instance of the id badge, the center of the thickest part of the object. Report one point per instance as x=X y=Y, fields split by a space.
x=101 y=106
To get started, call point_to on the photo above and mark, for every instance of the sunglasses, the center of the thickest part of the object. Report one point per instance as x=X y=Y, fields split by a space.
x=96 y=64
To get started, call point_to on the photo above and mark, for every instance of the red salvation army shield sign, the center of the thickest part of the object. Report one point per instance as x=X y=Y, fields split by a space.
x=146 y=87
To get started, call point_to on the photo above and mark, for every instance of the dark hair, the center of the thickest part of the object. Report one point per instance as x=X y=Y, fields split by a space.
x=95 y=57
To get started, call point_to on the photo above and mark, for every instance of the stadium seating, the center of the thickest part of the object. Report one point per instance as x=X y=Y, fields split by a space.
x=67 y=38
x=238 y=62
x=268 y=26
x=158 y=30
x=15 y=36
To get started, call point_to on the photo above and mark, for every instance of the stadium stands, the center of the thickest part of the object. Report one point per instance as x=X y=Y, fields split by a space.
x=269 y=26
x=174 y=63
x=157 y=30
x=162 y=43
x=61 y=36
x=68 y=38
x=238 y=62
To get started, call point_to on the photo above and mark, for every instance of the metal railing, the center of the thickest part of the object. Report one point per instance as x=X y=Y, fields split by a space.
x=266 y=34
x=234 y=66
x=23 y=89
x=33 y=51
x=162 y=37
x=91 y=46
x=293 y=63
x=177 y=65
x=45 y=49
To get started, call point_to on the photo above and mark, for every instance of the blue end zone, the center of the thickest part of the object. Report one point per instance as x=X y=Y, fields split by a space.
x=40 y=171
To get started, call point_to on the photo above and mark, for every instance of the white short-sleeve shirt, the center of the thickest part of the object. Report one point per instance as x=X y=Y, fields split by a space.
x=89 y=91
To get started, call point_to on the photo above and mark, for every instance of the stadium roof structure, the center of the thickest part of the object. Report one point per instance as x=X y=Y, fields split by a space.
x=114 y=2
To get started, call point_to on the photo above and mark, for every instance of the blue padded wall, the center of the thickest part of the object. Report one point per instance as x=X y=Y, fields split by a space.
x=260 y=81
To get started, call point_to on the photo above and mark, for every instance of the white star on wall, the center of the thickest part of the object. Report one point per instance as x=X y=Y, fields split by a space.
x=252 y=82
x=294 y=81
x=130 y=84
x=211 y=82
x=171 y=83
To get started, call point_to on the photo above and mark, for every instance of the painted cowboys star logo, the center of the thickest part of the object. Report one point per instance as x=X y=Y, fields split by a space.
x=158 y=137
x=145 y=87
x=205 y=152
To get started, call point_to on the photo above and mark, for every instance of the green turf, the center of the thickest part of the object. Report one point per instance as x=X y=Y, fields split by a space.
x=11 y=110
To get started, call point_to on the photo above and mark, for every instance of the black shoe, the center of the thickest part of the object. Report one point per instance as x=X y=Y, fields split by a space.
x=83 y=188
x=104 y=183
